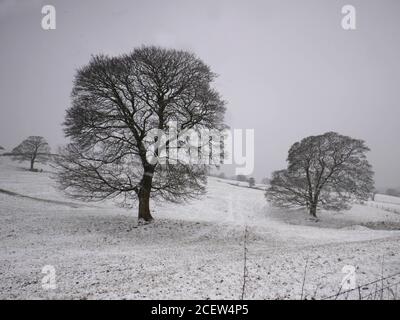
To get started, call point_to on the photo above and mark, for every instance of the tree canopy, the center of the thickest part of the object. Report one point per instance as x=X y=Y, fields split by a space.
x=328 y=171
x=33 y=149
x=116 y=103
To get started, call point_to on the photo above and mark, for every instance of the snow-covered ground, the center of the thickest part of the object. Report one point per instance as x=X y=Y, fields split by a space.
x=384 y=198
x=191 y=251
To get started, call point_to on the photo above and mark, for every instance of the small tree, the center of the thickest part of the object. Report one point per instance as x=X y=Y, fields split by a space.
x=241 y=178
x=116 y=103
x=33 y=149
x=327 y=170
x=252 y=182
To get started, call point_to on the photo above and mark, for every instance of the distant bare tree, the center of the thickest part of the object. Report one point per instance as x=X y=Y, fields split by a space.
x=116 y=102
x=327 y=170
x=33 y=149
x=252 y=182
x=241 y=178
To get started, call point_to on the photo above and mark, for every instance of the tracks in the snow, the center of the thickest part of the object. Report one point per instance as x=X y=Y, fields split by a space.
x=18 y=195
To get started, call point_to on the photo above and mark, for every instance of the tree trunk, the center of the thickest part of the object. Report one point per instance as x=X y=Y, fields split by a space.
x=32 y=163
x=314 y=204
x=144 y=206
x=144 y=198
x=313 y=209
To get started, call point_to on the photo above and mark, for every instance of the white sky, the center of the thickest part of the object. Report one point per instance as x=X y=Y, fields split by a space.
x=287 y=68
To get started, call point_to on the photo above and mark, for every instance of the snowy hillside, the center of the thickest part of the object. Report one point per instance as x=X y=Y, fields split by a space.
x=192 y=250
x=387 y=199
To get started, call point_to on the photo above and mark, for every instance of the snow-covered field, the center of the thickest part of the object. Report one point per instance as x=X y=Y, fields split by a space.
x=383 y=198
x=191 y=251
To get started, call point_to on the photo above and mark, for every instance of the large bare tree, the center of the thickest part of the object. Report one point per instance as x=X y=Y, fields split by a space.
x=116 y=103
x=33 y=149
x=328 y=170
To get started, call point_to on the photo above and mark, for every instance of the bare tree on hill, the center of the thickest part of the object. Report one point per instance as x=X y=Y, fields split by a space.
x=328 y=171
x=116 y=102
x=252 y=182
x=33 y=149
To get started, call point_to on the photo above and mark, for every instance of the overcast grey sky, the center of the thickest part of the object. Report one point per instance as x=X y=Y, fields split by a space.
x=286 y=68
